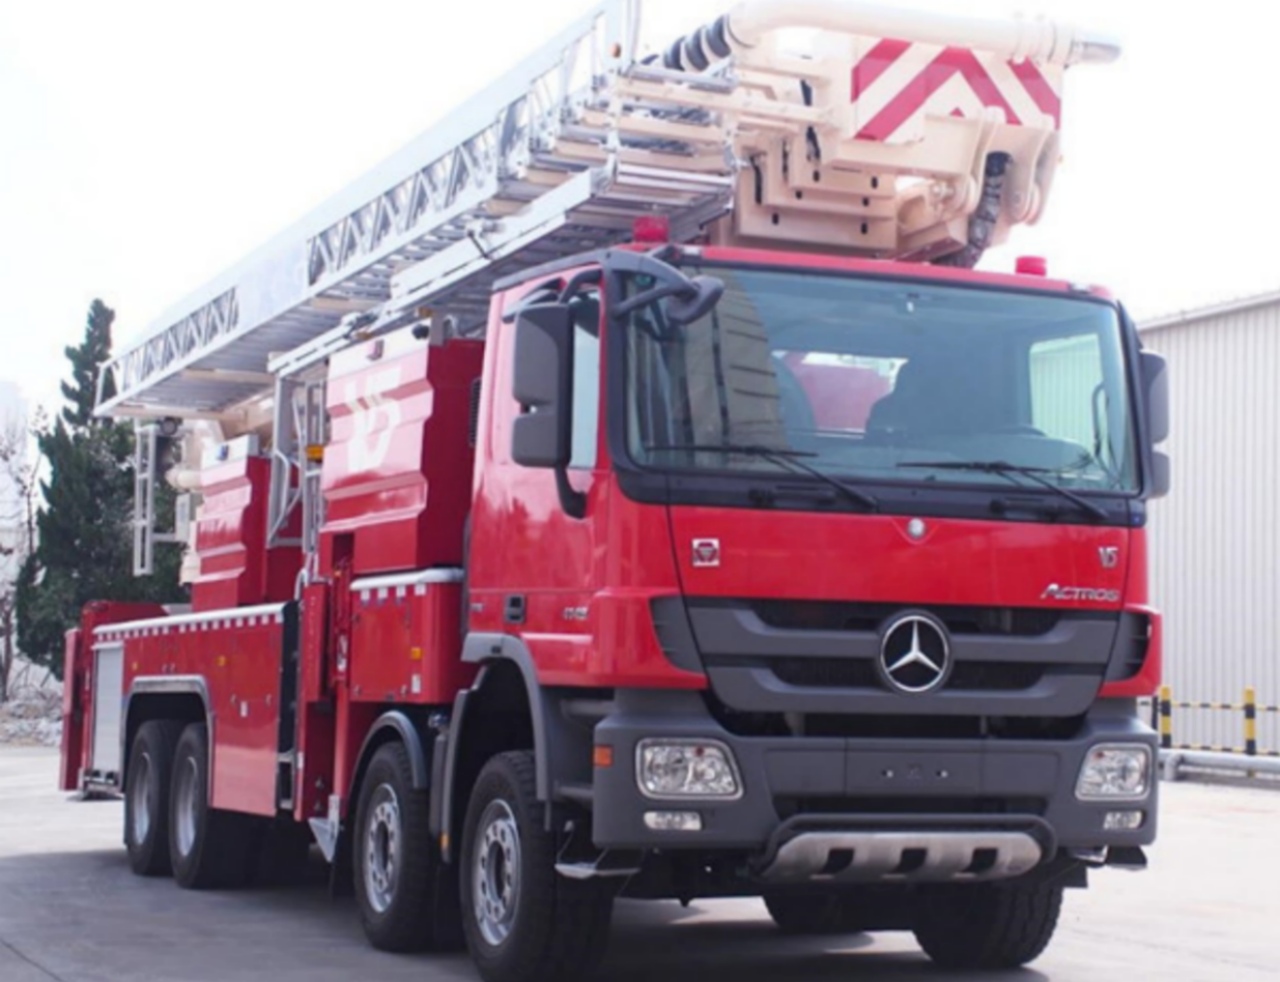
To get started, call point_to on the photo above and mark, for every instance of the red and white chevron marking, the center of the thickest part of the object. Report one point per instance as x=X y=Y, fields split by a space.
x=896 y=84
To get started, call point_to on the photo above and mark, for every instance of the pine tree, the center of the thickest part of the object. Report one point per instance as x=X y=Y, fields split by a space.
x=86 y=363
x=85 y=548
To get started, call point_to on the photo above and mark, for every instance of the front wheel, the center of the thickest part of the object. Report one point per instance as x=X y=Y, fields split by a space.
x=524 y=922
x=408 y=898
x=988 y=926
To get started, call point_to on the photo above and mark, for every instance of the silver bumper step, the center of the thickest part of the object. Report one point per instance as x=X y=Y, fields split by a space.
x=864 y=856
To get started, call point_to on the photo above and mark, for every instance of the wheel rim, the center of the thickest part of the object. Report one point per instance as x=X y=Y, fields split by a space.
x=382 y=847
x=186 y=801
x=142 y=796
x=496 y=872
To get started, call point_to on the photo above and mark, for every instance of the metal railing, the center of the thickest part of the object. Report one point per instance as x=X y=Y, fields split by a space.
x=1164 y=708
x=1181 y=759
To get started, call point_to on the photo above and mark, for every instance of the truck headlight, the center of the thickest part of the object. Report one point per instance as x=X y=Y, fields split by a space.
x=686 y=769
x=1113 y=772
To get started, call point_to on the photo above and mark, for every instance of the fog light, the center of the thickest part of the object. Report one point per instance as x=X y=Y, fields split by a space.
x=673 y=821
x=1115 y=771
x=1122 y=821
x=686 y=769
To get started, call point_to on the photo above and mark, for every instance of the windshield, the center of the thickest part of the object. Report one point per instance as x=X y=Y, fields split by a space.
x=883 y=381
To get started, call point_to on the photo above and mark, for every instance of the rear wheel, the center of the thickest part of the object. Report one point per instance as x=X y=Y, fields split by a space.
x=813 y=912
x=524 y=922
x=146 y=797
x=210 y=848
x=988 y=926
x=408 y=898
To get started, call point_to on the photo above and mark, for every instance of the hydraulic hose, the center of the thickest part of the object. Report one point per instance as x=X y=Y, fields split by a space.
x=746 y=25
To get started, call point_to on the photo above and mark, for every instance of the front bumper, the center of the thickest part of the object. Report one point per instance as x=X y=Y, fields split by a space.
x=853 y=788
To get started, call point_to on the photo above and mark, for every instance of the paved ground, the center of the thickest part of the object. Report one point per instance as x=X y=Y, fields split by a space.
x=1207 y=911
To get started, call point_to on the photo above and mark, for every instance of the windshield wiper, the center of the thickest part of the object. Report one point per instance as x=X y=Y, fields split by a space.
x=783 y=458
x=1005 y=468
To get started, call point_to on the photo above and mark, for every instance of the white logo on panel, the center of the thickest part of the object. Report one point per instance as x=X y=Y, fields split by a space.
x=374 y=419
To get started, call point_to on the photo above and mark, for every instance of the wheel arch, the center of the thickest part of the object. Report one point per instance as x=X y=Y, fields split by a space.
x=506 y=708
x=184 y=698
x=392 y=726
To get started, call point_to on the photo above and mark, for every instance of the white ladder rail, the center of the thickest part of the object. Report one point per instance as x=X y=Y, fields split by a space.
x=341 y=257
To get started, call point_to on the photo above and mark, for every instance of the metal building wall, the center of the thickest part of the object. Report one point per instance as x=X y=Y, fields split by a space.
x=1215 y=540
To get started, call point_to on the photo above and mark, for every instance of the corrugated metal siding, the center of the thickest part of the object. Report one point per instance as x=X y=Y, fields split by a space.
x=1215 y=540
x=1063 y=376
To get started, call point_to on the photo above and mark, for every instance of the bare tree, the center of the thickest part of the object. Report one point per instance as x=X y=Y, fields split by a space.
x=19 y=489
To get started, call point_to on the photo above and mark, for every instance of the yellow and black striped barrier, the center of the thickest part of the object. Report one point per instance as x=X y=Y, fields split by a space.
x=1165 y=705
x=1251 y=722
x=1166 y=717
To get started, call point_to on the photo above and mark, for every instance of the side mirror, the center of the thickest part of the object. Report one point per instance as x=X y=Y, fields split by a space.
x=1155 y=389
x=543 y=385
x=1160 y=478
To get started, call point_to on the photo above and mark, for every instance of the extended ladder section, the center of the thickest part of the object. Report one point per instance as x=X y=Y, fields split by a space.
x=820 y=125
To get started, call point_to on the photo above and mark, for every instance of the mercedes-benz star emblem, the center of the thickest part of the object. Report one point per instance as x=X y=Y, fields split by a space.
x=915 y=656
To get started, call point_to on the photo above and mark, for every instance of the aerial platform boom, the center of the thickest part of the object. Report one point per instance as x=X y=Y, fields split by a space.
x=877 y=132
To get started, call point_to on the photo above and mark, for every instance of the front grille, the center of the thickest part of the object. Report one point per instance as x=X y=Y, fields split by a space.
x=819 y=615
x=907 y=726
x=807 y=657
x=826 y=673
x=994 y=676
x=838 y=673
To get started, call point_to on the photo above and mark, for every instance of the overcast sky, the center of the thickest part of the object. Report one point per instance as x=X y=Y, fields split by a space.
x=146 y=145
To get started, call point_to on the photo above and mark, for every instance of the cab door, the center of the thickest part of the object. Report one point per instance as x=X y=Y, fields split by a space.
x=535 y=553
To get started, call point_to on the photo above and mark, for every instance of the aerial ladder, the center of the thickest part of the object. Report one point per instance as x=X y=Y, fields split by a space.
x=821 y=125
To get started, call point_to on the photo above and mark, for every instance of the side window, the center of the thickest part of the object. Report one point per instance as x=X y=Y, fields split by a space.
x=1064 y=373
x=586 y=379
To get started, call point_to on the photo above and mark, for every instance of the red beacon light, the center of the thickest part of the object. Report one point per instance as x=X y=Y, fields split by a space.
x=654 y=229
x=1032 y=266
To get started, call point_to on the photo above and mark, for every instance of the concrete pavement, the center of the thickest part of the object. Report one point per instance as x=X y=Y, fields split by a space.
x=1207 y=911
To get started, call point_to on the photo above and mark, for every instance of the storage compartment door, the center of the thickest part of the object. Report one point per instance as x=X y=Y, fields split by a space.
x=108 y=699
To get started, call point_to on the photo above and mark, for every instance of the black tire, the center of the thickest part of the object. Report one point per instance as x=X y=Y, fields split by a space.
x=408 y=898
x=210 y=848
x=557 y=928
x=146 y=797
x=988 y=926
x=812 y=912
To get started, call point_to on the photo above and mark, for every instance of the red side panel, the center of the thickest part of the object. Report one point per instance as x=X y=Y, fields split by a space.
x=236 y=568
x=406 y=644
x=313 y=683
x=397 y=471
x=237 y=654
x=74 y=668
x=231 y=534
x=315 y=706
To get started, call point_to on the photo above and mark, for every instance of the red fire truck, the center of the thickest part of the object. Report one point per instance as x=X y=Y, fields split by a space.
x=631 y=489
